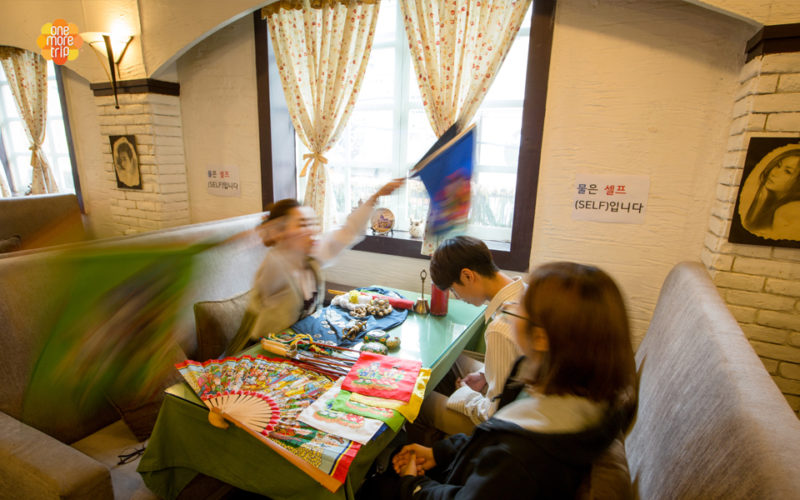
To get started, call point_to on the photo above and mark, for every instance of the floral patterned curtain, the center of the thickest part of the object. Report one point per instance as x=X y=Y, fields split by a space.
x=27 y=78
x=322 y=48
x=457 y=47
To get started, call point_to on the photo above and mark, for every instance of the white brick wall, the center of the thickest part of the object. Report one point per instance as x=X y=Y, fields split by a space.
x=155 y=121
x=761 y=285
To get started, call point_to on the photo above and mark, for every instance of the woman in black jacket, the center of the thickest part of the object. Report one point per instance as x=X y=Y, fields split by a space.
x=571 y=395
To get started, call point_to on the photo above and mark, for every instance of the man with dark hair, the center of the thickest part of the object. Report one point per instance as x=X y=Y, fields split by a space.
x=465 y=266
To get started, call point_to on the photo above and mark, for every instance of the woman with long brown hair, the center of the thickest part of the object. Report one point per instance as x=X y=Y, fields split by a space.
x=572 y=394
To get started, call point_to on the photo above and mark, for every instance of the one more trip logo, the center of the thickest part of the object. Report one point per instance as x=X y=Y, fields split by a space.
x=60 y=41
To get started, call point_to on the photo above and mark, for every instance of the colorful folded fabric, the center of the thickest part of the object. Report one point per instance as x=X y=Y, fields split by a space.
x=383 y=376
x=342 y=402
x=350 y=426
x=409 y=410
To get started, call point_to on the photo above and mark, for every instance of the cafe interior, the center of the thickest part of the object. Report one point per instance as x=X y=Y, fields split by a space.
x=223 y=108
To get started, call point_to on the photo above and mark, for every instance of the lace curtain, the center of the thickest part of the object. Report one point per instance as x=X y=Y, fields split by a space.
x=27 y=77
x=457 y=47
x=322 y=48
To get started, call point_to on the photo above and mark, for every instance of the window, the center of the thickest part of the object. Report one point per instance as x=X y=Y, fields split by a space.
x=510 y=135
x=16 y=144
x=388 y=132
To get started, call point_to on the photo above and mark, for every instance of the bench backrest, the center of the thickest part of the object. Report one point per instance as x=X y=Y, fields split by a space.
x=711 y=422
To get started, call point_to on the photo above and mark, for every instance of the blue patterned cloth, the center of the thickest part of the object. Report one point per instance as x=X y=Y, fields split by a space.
x=328 y=324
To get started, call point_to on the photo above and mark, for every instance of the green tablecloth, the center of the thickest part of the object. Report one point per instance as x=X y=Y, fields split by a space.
x=183 y=443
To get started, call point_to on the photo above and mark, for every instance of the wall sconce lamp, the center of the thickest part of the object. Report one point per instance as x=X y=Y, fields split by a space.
x=110 y=44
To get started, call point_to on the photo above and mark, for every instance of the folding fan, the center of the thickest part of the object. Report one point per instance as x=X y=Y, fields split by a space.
x=264 y=396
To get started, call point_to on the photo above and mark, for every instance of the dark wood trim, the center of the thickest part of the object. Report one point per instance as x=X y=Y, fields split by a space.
x=392 y=246
x=139 y=86
x=530 y=147
x=775 y=39
x=518 y=258
x=68 y=131
x=275 y=128
x=264 y=129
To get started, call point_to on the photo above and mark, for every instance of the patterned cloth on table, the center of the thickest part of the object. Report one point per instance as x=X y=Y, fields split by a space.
x=343 y=402
x=409 y=410
x=351 y=426
x=328 y=324
x=383 y=376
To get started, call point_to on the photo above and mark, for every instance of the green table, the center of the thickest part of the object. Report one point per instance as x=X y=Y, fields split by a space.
x=184 y=444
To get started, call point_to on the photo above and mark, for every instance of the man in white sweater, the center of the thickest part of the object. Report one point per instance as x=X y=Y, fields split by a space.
x=464 y=265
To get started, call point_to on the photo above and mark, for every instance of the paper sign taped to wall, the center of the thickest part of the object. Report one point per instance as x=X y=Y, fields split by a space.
x=610 y=198
x=223 y=181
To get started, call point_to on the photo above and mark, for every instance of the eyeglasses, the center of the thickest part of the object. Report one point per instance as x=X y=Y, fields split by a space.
x=505 y=310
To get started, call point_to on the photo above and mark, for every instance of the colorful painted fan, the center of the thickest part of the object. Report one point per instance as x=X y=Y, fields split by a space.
x=264 y=396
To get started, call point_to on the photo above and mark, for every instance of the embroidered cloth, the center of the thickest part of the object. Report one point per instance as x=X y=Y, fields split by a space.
x=383 y=376
x=409 y=410
x=350 y=426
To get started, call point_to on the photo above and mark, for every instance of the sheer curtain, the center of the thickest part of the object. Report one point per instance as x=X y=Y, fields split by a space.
x=27 y=77
x=322 y=48
x=457 y=47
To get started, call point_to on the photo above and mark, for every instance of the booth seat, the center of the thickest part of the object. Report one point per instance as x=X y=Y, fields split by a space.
x=39 y=221
x=711 y=422
x=69 y=455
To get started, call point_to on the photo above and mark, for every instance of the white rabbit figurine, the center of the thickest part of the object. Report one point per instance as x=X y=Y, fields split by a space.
x=415 y=228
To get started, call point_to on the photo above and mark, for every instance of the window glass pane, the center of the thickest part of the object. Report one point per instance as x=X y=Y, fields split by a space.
x=55 y=146
x=9 y=106
x=377 y=88
x=55 y=132
x=18 y=138
x=510 y=81
x=389 y=132
x=386 y=26
x=53 y=101
x=21 y=170
x=370 y=138
x=420 y=136
x=499 y=132
x=64 y=168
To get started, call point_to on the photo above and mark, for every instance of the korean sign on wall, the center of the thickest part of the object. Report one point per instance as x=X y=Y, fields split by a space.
x=610 y=198
x=223 y=181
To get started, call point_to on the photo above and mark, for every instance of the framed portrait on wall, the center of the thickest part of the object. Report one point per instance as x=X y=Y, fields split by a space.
x=767 y=210
x=126 y=161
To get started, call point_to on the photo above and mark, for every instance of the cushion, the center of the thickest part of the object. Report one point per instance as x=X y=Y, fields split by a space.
x=609 y=477
x=140 y=413
x=217 y=322
x=10 y=244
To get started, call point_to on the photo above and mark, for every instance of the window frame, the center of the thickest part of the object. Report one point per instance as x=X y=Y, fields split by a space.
x=278 y=168
x=67 y=136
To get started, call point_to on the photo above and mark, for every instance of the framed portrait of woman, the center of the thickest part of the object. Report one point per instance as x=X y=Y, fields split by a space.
x=767 y=210
x=126 y=161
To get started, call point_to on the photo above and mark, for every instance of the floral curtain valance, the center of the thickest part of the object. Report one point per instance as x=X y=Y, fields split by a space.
x=27 y=77
x=322 y=54
x=314 y=4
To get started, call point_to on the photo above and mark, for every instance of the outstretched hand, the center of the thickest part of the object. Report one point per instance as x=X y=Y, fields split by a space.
x=413 y=460
x=388 y=188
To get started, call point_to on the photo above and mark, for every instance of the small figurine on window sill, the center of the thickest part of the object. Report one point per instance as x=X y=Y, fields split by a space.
x=415 y=227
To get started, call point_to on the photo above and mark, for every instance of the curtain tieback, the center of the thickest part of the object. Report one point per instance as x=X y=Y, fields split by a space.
x=312 y=157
